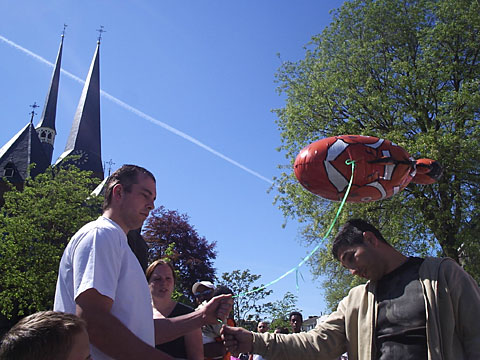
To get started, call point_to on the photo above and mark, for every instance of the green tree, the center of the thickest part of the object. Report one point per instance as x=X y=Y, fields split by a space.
x=35 y=225
x=246 y=306
x=191 y=254
x=279 y=310
x=407 y=71
x=177 y=294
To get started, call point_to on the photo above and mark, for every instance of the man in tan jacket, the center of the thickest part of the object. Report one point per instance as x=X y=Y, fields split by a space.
x=411 y=308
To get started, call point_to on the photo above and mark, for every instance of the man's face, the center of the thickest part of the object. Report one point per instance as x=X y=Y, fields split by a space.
x=262 y=327
x=296 y=323
x=137 y=203
x=363 y=260
x=80 y=347
x=203 y=293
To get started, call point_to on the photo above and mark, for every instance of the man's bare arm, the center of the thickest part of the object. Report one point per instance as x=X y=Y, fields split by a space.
x=108 y=333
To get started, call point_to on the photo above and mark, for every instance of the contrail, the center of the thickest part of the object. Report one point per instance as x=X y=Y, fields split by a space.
x=142 y=114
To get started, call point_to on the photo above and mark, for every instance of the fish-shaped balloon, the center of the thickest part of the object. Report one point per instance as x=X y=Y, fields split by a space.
x=382 y=168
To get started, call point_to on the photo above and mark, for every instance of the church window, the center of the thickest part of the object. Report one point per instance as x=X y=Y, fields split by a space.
x=49 y=136
x=9 y=170
x=43 y=134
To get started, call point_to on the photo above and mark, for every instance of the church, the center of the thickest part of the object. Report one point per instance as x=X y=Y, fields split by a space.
x=34 y=144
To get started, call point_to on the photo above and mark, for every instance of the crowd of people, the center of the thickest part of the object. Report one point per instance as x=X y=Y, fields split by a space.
x=107 y=307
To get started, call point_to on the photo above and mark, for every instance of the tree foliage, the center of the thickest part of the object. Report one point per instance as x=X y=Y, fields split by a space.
x=35 y=225
x=279 y=310
x=407 y=71
x=177 y=294
x=191 y=254
x=248 y=296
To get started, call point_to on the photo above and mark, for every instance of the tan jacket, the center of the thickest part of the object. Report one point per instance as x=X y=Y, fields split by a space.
x=452 y=302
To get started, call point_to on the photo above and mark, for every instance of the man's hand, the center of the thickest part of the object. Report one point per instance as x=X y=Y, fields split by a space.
x=237 y=340
x=217 y=308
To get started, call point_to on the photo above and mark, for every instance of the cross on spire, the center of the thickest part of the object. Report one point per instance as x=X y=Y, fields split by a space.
x=109 y=163
x=33 y=113
x=100 y=31
x=64 y=27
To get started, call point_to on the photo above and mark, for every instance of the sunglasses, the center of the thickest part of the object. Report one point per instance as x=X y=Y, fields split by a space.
x=199 y=294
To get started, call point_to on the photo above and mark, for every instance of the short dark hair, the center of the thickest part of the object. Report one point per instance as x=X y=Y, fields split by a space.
x=221 y=290
x=127 y=175
x=351 y=233
x=45 y=335
x=295 y=313
x=152 y=266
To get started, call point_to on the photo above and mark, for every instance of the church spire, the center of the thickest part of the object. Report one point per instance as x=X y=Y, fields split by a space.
x=46 y=127
x=84 y=140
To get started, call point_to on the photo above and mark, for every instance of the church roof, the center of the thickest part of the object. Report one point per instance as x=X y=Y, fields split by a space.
x=50 y=109
x=84 y=139
x=22 y=150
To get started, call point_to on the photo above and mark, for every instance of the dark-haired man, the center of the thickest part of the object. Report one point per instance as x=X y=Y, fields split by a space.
x=101 y=280
x=411 y=308
x=296 y=321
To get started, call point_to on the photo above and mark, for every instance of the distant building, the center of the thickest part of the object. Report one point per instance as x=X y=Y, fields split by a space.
x=34 y=144
x=312 y=322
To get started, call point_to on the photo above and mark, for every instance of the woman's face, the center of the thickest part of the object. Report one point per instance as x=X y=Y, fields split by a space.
x=161 y=282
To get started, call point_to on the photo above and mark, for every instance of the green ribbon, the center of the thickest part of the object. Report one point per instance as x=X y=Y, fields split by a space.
x=296 y=268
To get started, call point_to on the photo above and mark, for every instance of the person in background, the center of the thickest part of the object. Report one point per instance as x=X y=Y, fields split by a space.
x=203 y=291
x=281 y=330
x=47 y=335
x=296 y=321
x=262 y=328
x=161 y=281
x=212 y=342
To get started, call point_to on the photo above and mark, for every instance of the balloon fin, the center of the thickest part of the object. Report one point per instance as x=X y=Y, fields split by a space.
x=428 y=172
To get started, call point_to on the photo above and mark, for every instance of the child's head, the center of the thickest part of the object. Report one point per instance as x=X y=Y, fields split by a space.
x=47 y=335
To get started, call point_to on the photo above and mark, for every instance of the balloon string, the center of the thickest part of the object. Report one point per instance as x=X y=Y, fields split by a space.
x=296 y=268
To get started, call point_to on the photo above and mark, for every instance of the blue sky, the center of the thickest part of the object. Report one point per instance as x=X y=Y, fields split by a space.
x=205 y=69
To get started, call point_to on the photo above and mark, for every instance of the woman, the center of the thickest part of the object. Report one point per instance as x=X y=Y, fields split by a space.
x=161 y=280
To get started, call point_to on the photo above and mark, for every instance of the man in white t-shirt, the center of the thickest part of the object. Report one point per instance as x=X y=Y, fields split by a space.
x=101 y=280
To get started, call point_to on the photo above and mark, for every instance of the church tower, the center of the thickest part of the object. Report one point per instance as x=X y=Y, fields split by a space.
x=84 y=141
x=32 y=145
x=46 y=127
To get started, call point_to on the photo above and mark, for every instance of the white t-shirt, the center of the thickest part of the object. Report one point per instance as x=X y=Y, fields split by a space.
x=98 y=256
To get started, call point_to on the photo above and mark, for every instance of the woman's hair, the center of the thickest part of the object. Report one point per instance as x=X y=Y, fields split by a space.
x=152 y=266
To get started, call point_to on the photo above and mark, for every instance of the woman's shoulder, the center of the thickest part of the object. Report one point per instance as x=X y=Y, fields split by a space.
x=181 y=309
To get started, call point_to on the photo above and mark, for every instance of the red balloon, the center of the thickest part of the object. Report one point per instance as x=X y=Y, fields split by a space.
x=382 y=168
